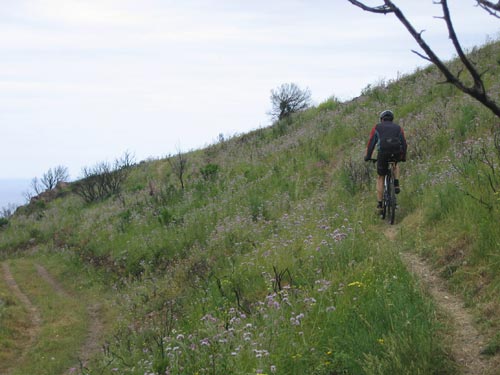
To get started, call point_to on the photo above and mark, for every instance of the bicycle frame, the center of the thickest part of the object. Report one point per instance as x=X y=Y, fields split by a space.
x=389 y=196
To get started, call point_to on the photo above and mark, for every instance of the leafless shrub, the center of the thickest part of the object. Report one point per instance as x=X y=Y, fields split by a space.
x=496 y=140
x=127 y=160
x=478 y=164
x=8 y=211
x=279 y=279
x=356 y=174
x=419 y=143
x=179 y=165
x=36 y=188
x=103 y=179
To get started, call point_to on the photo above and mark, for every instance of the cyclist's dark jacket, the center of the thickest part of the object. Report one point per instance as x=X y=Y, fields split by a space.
x=384 y=130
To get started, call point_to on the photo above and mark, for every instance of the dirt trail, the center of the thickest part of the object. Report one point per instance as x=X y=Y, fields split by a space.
x=58 y=288
x=35 y=318
x=91 y=344
x=467 y=342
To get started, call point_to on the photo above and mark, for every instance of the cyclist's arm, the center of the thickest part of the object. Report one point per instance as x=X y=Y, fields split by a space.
x=371 y=143
x=404 y=144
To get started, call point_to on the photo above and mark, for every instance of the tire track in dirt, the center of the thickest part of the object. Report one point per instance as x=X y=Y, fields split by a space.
x=94 y=336
x=91 y=344
x=58 y=288
x=34 y=313
x=467 y=342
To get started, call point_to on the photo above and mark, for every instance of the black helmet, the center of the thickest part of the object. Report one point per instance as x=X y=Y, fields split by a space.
x=387 y=115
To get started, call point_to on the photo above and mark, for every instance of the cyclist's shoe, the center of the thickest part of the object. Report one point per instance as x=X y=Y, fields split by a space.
x=379 y=208
x=397 y=188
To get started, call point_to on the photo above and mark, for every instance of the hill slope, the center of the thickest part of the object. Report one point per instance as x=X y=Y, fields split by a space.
x=265 y=255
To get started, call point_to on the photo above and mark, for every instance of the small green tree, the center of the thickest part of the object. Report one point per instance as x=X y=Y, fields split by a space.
x=209 y=172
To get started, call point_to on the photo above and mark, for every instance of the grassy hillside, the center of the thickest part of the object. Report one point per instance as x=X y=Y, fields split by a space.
x=271 y=259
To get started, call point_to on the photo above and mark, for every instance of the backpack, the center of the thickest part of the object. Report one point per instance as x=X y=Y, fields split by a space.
x=389 y=138
x=390 y=145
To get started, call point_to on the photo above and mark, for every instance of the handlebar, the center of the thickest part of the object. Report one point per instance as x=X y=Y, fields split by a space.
x=389 y=160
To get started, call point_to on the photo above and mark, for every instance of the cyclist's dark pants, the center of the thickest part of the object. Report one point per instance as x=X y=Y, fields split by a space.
x=383 y=162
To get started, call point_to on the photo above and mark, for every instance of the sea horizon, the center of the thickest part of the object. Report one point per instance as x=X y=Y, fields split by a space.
x=12 y=192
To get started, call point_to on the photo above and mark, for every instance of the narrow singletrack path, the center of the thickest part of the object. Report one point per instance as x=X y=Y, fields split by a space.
x=467 y=342
x=34 y=313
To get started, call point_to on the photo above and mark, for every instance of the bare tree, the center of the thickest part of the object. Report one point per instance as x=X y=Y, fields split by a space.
x=8 y=211
x=127 y=160
x=36 y=186
x=287 y=99
x=49 y=181
x=476 y=89
x=179 y=165
x=52 y=177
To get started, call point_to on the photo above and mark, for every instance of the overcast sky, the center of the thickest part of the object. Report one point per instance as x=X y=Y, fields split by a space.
x=83 y=81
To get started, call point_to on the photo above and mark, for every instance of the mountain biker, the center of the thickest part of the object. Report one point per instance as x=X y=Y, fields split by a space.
x=391 y=145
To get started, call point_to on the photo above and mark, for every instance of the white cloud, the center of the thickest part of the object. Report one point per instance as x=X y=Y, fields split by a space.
x=82 y=81
x=79 y=13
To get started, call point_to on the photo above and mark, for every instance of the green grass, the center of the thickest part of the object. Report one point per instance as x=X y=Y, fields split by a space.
x=324 y=300
x=14 y=325
x=63 y=328
x=273 y=261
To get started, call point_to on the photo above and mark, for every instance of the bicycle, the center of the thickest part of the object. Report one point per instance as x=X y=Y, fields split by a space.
x=389 y=201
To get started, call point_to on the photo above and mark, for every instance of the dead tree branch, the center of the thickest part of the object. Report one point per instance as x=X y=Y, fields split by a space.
x=477 y=89
x=384 y=9
x=490 y=7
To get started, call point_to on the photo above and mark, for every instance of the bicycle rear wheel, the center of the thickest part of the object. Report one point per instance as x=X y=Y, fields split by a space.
x=385 y=198
x=392 y=199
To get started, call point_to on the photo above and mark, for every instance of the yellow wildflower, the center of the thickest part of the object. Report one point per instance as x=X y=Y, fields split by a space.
x=359 y=284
